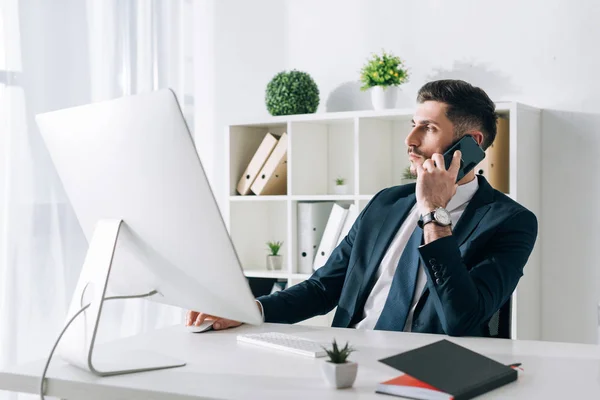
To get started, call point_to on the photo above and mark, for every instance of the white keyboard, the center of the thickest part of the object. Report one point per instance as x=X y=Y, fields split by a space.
x=280 y=341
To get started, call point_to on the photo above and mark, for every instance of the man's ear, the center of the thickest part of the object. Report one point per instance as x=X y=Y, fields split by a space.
x=478 y=136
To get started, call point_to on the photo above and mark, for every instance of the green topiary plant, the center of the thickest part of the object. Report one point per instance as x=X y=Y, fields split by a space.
x=293 y=92
x=338 y=355
x=274 y=247
x=340 y=181
x=383 y=70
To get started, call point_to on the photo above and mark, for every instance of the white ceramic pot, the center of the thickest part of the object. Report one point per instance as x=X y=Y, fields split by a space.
x=384 y=97
x=274 y=262
x=405 y=181
x=340 y=189
x=339 y=376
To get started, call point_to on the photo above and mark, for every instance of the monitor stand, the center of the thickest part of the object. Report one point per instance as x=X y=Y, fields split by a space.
x=77 y=344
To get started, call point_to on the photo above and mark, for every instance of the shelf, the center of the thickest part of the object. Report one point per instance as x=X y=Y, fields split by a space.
x=324 y=197
x=252 y=225
x=368 y=149
x=365 y=196
x=318 y=197
x=250 y=273
x=251 y=198
x=331 y=148
x=241 y=144
x=382 y=153
x=300 y=276
x=390 y=114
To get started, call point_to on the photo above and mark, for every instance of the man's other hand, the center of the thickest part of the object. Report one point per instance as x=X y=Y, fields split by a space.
x=197 y=318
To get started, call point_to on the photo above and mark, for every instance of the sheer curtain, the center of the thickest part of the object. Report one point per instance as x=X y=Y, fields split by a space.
x=57 y=54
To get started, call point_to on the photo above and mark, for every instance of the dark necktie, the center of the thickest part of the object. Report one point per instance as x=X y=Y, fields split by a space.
x=396 y=308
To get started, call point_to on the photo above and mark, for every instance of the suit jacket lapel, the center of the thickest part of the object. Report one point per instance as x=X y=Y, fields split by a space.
x=386 y=232
x=475 y=211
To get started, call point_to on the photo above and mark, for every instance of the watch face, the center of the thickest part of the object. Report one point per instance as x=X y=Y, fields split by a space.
x=442 y=216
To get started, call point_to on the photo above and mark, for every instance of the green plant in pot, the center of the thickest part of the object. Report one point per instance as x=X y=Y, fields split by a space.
x=407 y=176
x=338 y=371
x=340 y=186
x=274 y=259
x=292 y=92
x=382 y=74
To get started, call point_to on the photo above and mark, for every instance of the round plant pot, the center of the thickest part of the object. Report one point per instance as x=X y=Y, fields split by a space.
x=384 y=97
x=340 y=189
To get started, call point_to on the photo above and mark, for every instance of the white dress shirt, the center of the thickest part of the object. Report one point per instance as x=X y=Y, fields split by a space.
x=387 y=268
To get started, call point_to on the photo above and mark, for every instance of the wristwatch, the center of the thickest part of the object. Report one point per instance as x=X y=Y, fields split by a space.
x=440 y=216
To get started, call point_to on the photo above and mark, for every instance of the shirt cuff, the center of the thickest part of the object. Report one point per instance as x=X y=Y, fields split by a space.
x=262 y=311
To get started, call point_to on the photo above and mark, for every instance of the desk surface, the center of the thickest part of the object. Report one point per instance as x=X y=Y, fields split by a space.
x=221 y=368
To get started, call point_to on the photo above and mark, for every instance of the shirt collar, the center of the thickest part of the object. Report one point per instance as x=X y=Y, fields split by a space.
x=464 y=193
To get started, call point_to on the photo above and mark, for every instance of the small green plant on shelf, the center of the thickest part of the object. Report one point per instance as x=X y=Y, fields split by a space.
x=407 y=174
x=340 y=187
x=383 y=69
x=274 y=247
x=338 y=355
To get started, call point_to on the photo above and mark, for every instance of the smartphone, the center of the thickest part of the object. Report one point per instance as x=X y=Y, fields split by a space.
x=472 y=155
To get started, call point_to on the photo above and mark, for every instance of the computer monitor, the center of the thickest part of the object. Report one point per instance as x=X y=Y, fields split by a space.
x=136 y=184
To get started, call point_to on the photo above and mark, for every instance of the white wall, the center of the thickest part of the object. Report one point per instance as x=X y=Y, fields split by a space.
x=537 y=52
x=239 y=46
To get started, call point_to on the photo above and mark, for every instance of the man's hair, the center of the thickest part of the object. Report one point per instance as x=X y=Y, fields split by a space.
x=468 y=107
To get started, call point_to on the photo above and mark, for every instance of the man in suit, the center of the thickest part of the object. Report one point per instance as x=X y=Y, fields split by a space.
x=436 y=256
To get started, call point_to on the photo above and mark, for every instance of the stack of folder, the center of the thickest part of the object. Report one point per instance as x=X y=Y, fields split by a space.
x=321 y=228
x=266 y=174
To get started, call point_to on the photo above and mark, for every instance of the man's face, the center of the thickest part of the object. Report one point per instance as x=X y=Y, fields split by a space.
x=432 y=133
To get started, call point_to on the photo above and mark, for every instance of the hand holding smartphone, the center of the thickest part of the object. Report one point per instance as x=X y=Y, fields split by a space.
x=471 y=155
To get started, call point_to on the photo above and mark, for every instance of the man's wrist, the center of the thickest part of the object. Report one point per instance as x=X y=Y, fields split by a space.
x=429 y=208
x=439 y=216
x=433 y=231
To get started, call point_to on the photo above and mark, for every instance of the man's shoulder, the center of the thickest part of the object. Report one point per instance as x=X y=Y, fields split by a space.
x=504 y=202
x=393 y=193
x=511 y=213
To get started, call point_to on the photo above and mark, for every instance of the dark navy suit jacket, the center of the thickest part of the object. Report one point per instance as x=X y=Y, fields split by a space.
x=481 y=264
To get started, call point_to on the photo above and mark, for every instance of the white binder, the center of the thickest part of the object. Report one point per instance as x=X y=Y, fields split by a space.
x=331 y=234
x=348 y=222
x=312 y=219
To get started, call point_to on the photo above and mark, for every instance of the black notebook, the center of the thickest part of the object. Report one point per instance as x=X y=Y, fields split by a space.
x=445 y=370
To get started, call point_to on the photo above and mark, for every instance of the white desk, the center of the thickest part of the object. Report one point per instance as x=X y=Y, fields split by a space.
x=220 y=368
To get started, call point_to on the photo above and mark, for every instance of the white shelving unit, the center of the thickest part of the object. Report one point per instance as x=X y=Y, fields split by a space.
x=367 y=148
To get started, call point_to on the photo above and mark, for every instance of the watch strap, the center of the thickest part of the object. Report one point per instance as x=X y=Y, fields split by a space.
x=425 y=219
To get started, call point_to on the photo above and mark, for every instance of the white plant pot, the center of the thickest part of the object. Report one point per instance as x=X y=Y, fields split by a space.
x=339 y=376
x=384 y=97
x=405 y=181
x=340 y=189
x=274 y=263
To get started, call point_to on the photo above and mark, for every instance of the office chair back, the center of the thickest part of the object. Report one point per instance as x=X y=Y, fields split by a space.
x=499 y=324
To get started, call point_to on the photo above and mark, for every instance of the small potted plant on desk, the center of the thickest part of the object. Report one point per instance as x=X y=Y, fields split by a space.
x=274 y=260
x=338 y=371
